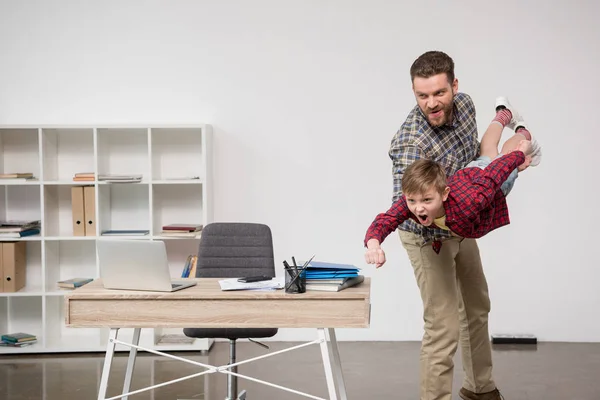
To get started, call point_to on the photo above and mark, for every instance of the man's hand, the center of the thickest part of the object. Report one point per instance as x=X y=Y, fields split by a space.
x=374 y=254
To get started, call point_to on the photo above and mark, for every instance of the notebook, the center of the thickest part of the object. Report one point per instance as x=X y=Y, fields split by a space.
x=136 y=265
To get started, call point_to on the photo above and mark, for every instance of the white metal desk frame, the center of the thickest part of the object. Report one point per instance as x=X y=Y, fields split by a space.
x=326 y=339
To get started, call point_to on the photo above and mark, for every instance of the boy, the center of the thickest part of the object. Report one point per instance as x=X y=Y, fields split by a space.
x=472 y=202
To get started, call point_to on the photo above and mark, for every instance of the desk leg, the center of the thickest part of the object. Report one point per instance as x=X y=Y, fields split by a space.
x=131 y=361
x=110 y=351
x=337 y=364
x=327 y=365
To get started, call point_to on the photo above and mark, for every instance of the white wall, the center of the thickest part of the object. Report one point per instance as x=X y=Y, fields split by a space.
x=305 y=97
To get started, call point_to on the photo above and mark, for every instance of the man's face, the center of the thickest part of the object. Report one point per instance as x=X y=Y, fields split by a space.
x=435 y=97
x=427 y=206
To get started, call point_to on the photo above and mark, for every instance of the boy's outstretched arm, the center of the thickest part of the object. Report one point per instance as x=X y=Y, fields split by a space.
x=381 y=227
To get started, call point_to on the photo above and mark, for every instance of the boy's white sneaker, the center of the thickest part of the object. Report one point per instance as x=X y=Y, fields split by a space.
x=515 y=123
x=502 y=101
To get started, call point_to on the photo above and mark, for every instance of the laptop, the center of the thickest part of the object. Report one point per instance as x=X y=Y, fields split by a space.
x=136 y=265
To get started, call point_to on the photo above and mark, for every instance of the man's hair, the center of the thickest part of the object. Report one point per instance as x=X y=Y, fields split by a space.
x=432 y=63
x=421 y=175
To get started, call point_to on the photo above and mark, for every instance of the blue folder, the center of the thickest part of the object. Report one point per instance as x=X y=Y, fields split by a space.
x=326 y=270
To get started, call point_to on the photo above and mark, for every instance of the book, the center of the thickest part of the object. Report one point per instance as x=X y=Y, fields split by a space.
x=19 y=225
x=17 y=344
x=334 y=287
x=73 y=283
x=125 y=232
x=180 y=234
x=28 y=232
x=17 y=175
x=120 y=178
x=182 y=227
x=18 y=337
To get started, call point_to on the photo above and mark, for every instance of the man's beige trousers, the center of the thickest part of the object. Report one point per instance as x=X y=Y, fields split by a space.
x=455 y=308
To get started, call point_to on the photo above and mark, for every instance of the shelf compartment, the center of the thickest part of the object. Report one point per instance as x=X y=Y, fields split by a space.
x=20 y=202
x=123 y=152
x=123 y=206
x=33 y=272
x=22 y=314
x=177 y=253
x=59 y=336
x=176 y=204
x=67 y=152
x=19 y=151
x=177 y=153
x=58 y=218
x=67 y=260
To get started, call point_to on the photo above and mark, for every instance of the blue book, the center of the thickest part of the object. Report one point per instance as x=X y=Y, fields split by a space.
x=28 y=232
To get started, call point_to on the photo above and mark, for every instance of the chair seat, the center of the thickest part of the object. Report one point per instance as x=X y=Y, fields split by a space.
x=230 y=333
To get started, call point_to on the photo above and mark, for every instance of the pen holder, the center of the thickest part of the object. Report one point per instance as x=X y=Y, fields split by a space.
x=295 y=280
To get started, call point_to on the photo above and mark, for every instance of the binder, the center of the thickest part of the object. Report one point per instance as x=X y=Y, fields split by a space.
x=14 y=259
x=1 y=271
x=77 y=206
x=89 y=210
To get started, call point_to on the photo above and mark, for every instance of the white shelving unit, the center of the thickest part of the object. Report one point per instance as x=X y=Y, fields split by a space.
x=175 y=162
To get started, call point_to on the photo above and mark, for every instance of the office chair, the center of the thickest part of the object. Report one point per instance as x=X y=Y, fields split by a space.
x=231 y=250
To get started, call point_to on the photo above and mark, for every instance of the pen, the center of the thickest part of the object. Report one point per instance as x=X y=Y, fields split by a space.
x=294 y=261
x=286 y=265
x=299 y=272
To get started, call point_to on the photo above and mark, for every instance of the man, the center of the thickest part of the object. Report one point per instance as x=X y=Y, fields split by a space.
x=453 y=287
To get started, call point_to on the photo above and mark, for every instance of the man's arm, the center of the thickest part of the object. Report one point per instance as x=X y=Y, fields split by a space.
x=488 y=183
x=386 y=223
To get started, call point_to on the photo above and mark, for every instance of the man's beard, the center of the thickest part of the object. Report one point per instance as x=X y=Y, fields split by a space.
x=447 y=116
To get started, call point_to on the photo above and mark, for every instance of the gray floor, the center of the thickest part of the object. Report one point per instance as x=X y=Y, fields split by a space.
x=373 y=370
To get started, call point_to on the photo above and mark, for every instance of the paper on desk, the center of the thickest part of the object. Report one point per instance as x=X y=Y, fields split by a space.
x=233 y=284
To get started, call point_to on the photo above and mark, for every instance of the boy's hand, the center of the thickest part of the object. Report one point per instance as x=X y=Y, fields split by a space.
x=374 y=254
x=524 y=146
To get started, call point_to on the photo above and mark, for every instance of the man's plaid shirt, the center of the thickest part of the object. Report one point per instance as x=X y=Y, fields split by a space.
x=453 y=146
x=475 y=205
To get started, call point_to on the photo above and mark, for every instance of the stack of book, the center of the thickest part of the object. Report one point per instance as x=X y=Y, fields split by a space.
x=331 y=277
x=181 y=230
x=84 y=177
x=19 y=339
x=19 y=228
x=111 y=178
x=17 y=177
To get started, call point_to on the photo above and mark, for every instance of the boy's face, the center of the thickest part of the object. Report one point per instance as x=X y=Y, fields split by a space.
x=427 y=206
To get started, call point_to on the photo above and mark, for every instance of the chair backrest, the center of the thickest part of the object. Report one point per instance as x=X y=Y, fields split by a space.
x=235 y=249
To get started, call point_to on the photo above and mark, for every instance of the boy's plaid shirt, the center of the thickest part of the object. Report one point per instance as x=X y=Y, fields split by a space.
x=453 y=146
x=475 y=205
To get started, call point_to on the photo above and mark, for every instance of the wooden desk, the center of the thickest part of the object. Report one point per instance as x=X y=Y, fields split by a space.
x=206 y=306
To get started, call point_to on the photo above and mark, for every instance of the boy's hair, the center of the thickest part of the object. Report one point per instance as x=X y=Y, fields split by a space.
x=421 y=175
x=432 y=63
